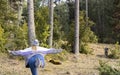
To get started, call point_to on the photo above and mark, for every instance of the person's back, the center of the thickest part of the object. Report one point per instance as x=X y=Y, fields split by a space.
x=34 y=55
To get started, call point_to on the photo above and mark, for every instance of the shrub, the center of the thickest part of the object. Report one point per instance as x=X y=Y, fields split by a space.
x=84 y=48
x=105 y=69
x=2 y=39
x=17 y=37
x=115 y=53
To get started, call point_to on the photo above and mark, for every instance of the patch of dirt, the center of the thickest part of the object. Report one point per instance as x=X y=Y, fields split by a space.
x=80 y=65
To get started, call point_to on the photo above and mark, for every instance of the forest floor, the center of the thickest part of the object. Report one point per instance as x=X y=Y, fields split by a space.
x=84 y=65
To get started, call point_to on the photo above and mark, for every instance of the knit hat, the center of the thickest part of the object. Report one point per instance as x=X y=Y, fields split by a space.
x=35 y=42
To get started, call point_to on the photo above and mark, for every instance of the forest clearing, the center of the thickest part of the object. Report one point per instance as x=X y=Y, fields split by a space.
x=81 y=36
x=85 y=65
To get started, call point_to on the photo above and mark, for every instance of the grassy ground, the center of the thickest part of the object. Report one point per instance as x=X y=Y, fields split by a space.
x=84 y=65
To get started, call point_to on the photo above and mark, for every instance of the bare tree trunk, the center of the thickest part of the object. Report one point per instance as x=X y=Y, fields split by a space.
x=48 y=3
x=51 y=23
x=99 y=28
x=20 y=8
x=86 y=12
x=102 y=20
x=76 y=46
x=31 y=26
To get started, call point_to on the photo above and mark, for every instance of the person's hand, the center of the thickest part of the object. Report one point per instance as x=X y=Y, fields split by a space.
x=9 y=51
x=60 y=49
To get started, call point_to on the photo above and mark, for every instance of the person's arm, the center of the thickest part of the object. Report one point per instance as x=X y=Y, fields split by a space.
x=53 y=51
x=49 y=51
x=20 y=52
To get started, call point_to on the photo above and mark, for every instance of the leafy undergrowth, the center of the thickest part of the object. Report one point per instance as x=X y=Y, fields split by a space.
x=82 y=65
x=105 y=69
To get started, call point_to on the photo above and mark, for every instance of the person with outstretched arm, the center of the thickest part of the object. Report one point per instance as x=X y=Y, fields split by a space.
x=34 y=55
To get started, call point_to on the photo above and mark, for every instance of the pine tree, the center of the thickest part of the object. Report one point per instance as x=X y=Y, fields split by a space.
x=76 y=46
x=31 y=26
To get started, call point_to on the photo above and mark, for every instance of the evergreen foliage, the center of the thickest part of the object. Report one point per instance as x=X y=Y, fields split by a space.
x=103 y=21
x=105 y=14
x=42 y=26
x=86 y=35
x=60 y=25
x=116 y=19
x=17 y=37
x=2 y=39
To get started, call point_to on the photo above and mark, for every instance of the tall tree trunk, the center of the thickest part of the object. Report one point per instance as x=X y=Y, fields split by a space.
x=20 y=8
x=86 y=12
x=76 y=46
x=103 y=19
x=51 y=23
x=99 y=25
x=31 y=26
